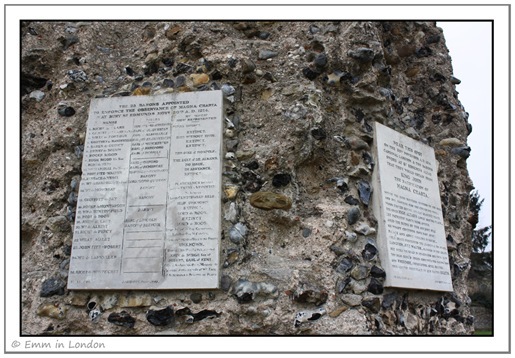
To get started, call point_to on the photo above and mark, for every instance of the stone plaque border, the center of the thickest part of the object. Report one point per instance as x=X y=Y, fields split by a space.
x=406 y=203
x=152 y=173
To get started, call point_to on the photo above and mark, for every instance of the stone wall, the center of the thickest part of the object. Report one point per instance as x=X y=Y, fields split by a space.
x=302 y=98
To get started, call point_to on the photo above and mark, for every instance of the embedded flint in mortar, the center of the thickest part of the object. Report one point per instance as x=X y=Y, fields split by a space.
x=246 y=291
x=266 y=200
x=237 y=233
x=307 y=316
x=341 y=183
x=365 y=191
x=163 y=317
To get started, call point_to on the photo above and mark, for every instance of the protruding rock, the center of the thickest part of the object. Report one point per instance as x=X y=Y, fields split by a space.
x=356 y=143
x=362 y=54
x=172 y=32
x=344 y=265
x=306 y=232
x=77 y=75
x=349 y=199
x=246 y=291
x=351 y=236
x=267 y=200
x=232 y=213
x=245 y=154
x=463 y=152
x=247 y=66
x=369 y=252
x=196 y=297
x=364 y=229
x=334 y=78
x=372 y=303
x=342 y=283
x=455 y=81
x=37 y=95
x=377 y=272
x=375 y=286
x=365 y=191
x=199 y=79
x=228 y=90
x=359 y=272
x=51 y=287
x=52 y=310
x=238 y=233
x=338 y=311
x=320 y=60
x=66 y=111
x=164 y=317
x=225 y=283
x=266 y=54
x=232 y=256
x=231 y=191
x=122 y=319
x=341 y=183
x=70 y=40
x=353 y=215
x=351 y=299
x=451 y=142
x=306 y=316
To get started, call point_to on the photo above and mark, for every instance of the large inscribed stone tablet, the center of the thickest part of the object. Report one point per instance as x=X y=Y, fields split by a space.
x=406 y=202
x=148 y=215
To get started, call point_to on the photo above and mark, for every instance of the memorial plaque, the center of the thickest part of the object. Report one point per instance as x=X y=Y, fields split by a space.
x=148 y=215
x=406 y=202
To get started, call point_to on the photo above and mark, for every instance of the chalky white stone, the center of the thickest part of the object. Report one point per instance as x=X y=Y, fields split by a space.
x=148 y=214
x=406 y=202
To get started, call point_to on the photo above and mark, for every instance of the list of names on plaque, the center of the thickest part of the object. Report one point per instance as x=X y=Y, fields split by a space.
x=148 y=215
x=407 y=204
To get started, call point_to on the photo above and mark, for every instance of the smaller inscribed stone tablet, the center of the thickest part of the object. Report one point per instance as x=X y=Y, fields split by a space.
x=148 y=215
x=406 y=202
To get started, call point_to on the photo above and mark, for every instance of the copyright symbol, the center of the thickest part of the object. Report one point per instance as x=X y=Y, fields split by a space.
x=15 y=344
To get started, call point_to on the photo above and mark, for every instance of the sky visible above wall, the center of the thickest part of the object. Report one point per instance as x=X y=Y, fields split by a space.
x=470 y=47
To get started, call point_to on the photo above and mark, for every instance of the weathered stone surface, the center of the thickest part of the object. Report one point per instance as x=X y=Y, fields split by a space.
x=282 y=121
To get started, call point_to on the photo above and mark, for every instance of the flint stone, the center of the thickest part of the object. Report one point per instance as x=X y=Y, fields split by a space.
x=359 y=272
x=372 y=303
x=164 y=317
x=37 y=95
x=266 y=54
x=238 y=233
x=362 y=54
x=122 y=319
x=52 y=287
x=353 y=215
